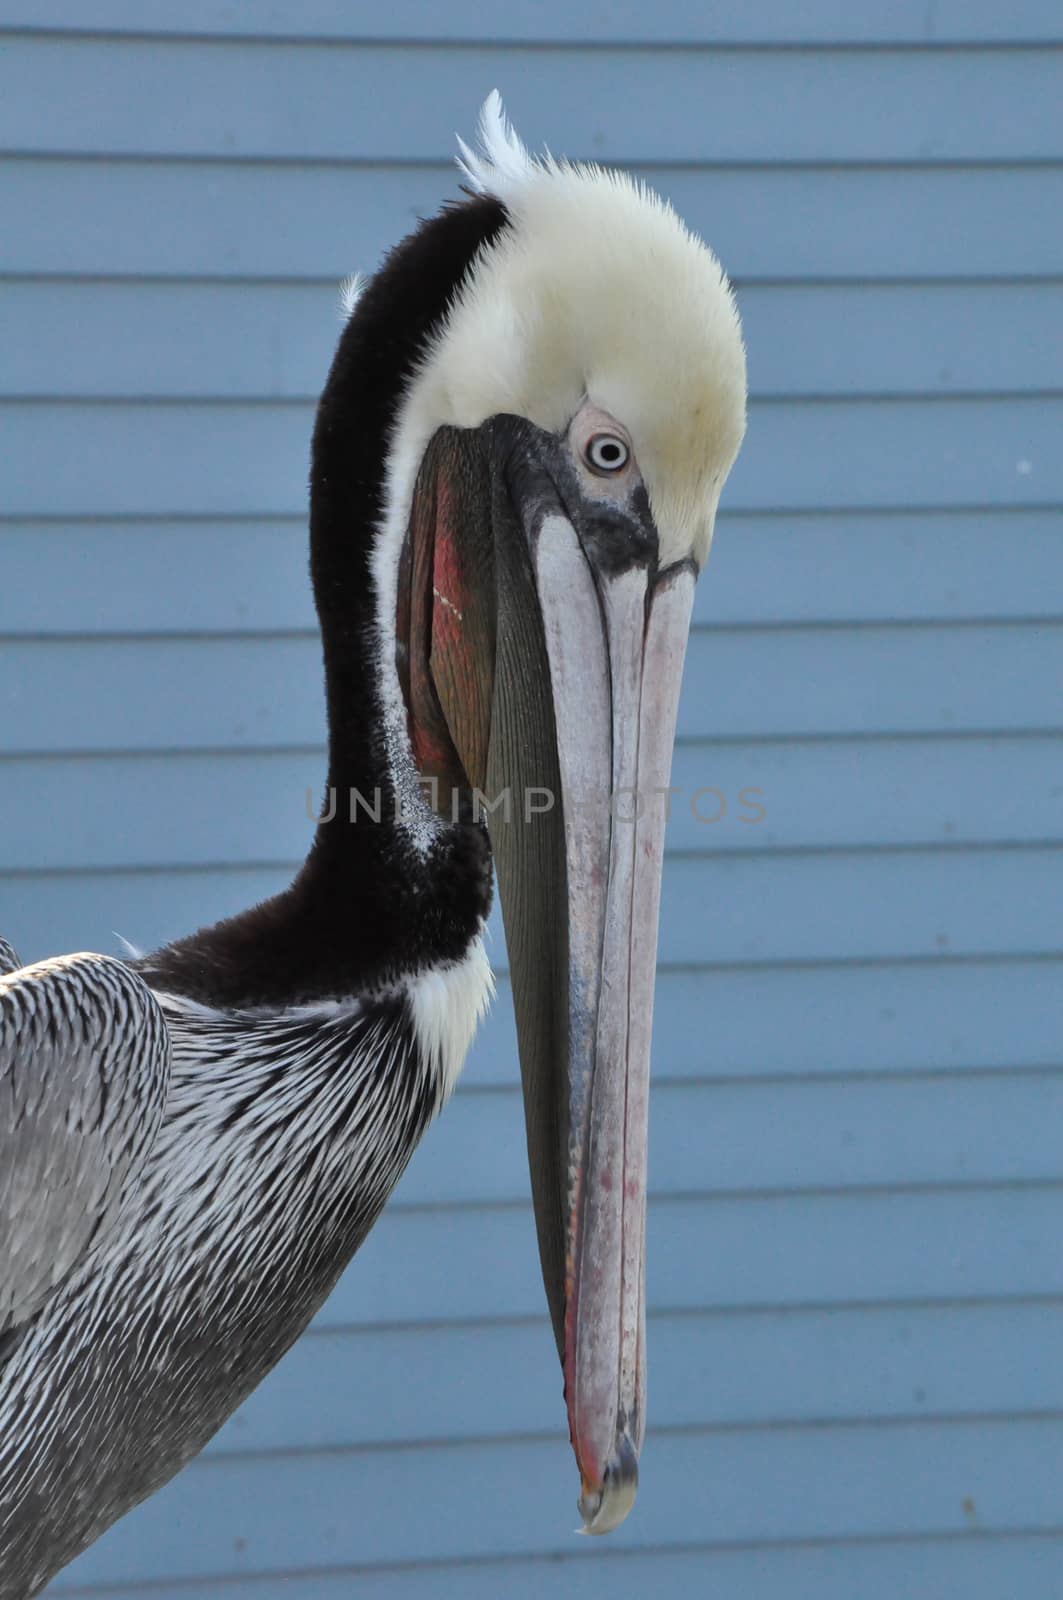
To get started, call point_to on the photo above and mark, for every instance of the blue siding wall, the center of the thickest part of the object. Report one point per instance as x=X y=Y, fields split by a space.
x=856 y=1282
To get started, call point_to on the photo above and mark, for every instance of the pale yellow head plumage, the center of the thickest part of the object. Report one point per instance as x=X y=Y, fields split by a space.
x=596 y=290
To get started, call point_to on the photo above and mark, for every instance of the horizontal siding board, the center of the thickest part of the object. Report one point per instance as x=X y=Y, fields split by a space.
x=883 y=1019
x=49 y=914
x=256 y=807
x=970 y=1564
x=729 y=1252
x=730 y=1138
x=849 y=1364
x=240 y=809
x=128 y=97
x=164 y=693
x=878 y=1018
x=220 y=340
x=220 y=219
x=253 y=341
x=827 y=907
x=775 y=1022
x=871 y=680
x=126 y=459
x=871 y=792
x=794 y=1483
x=678 y=21
x=145 y=576
x=900 y=453
x=842 y=905
x=809 y=567
x=903 y=339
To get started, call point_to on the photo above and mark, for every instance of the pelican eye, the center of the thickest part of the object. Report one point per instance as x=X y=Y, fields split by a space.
x=606 y=453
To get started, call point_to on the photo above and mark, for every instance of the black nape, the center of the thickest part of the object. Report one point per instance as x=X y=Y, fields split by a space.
x=366 y=905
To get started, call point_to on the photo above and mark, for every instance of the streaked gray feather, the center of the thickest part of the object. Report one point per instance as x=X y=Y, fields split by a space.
x=84 y=1072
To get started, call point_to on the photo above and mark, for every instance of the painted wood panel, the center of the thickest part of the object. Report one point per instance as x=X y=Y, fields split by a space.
x=744 y=1020
x=319 y=102
x=798 y=1021
x=151 y=694
x=677 y=21
x=255 y=341
x=127 y=459
x=854 y=1265
x=742 y=1486
x=219 y=218
x=103 y=811
x=722 y=1369
x=735 y=1138
x=802 y=906
x=935 y=1568
x=741 y=1251
x=870 y=566
x=276 y=341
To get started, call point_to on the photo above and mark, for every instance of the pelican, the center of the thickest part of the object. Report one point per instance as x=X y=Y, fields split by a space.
x=516 y=464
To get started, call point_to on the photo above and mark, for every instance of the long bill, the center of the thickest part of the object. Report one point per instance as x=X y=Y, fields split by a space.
x=553 y=664
x=616 y=690
x=592 y=722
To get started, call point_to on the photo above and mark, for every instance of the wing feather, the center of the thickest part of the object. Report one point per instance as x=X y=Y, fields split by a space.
x=84 y=1072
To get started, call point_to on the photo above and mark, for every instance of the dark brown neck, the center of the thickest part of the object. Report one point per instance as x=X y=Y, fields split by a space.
x=368 y=904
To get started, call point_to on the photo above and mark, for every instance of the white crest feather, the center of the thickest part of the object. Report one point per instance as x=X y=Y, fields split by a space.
x=350 y=294
x=505 y=164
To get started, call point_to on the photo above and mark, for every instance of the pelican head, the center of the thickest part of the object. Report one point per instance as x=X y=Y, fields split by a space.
x=572 y=400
